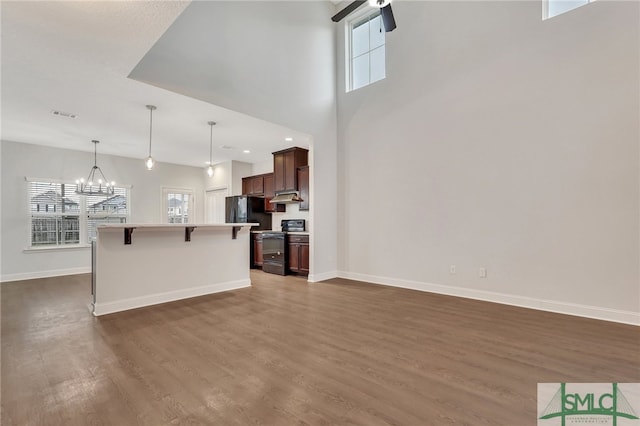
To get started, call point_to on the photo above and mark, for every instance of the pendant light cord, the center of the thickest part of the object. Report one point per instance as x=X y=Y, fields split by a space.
x=211 y=124
x=150 y=126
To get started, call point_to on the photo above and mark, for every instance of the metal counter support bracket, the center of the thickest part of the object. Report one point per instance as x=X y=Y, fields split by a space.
x=234 y=232
x=187 y=232
x=127 y=235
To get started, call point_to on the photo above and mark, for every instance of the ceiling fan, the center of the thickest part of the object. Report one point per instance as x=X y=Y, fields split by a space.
x=385 y=11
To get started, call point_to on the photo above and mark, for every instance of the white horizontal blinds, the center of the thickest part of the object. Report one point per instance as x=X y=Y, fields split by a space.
x=55 y=214
x=178 y=207
x=60 y=217
x=102 y=210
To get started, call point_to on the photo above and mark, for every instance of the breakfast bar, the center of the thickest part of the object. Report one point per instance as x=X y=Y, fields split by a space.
x=136 y=265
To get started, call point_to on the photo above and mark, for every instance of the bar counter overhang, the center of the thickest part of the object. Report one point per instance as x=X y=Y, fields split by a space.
x=136 y=265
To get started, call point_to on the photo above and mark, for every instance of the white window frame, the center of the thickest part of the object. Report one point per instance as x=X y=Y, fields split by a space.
x=355 y=18
x=545 y=8
x=83 y=216
x=165 y=203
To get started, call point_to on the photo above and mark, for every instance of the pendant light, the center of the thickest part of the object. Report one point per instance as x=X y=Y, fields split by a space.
x=149 y=162
x=95 y=184
x=379 y=3
x=210 y=168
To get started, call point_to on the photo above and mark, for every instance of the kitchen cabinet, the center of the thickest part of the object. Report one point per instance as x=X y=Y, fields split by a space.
x=256 y=252
x=285 y=168
x=253 y=185
x=269 y=193
x=262 y=186
x=303 y=187
x=298 y=248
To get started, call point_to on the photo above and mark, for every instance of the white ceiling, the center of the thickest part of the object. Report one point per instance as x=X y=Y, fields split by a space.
x=75 y=56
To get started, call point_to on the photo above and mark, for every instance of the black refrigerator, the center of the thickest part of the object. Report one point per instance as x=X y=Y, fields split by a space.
x=243 y=209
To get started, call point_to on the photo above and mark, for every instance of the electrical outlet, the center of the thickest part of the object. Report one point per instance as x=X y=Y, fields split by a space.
x=482 y=272
x=452 y=269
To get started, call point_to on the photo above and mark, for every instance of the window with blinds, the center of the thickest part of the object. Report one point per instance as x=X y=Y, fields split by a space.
x=101 y=210
x=60 y=217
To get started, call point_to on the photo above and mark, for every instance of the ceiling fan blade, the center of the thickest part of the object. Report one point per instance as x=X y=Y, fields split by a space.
x=387 y=18
x=347 y=10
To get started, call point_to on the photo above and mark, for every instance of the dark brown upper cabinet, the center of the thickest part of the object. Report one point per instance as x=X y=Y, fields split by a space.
x=285 y=168
x=269 y=193
x=253 y=185
x=262 y=186
x=303 y=187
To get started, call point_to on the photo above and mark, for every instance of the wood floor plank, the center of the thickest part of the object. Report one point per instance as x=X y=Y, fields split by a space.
x=286 y=352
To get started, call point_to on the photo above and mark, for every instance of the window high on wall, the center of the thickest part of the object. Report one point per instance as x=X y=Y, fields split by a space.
x=366 y=47
x=551 y=8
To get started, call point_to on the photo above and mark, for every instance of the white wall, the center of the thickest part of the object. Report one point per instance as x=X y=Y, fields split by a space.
x=498 y=140
x=21 y=160
x=222 y=177
x=262 y=167
x=228 y=174
x=239 y=170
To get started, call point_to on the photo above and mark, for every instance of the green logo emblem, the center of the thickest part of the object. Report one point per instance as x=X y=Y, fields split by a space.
x=585 y=401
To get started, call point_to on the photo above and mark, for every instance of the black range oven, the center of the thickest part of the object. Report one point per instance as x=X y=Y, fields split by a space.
x=274 y=246
x=274 y=259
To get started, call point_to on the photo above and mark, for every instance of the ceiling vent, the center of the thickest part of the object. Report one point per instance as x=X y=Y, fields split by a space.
x=64 y=114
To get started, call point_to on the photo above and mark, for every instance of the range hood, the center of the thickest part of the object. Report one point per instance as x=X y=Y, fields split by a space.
x=286 y=198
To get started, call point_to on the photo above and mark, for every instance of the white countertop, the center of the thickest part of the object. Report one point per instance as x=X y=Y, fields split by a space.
x=288 y=232
x=169 y=226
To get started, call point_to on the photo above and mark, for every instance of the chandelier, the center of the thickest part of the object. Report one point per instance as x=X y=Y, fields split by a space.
x=96 y=183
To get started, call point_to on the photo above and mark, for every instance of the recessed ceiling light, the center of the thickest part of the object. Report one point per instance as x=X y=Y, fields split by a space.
x=246 y=151
x=288 y=139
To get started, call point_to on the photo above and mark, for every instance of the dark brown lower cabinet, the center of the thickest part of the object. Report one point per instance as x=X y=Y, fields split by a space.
x=256 y=250
x=298 y=247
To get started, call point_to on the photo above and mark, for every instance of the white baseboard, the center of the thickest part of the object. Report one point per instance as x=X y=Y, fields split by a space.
x=314 y=278
x=595 y=312
x=45 y=274
x=154 y=299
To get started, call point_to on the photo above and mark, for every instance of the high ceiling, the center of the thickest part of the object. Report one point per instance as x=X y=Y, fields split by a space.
x=76 y=56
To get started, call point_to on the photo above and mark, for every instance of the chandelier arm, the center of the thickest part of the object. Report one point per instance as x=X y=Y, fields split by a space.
x=102 y=174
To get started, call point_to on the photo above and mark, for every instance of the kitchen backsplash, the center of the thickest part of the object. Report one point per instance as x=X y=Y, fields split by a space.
x=292 y=212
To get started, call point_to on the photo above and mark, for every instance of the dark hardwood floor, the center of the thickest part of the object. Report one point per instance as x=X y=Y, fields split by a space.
x=286 y=352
